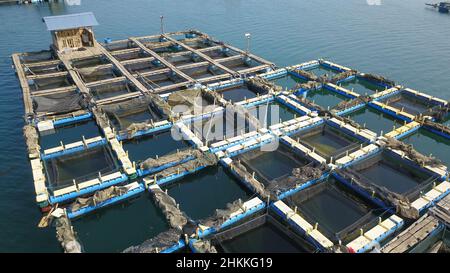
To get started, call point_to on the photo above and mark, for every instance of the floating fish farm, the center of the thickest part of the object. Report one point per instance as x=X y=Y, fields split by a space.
x=347 y=161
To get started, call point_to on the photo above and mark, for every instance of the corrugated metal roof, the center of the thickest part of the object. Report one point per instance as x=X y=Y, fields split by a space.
x=69 y=21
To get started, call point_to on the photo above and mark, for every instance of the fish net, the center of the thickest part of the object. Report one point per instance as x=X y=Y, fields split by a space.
x=220 y=239
x=81 y=166
x=39 y=56
x=243 y=173
x=221 y=215
x=204 y=246
x=98 y=197
x=204 y=160
x=110 y=90
x=32 y=139
x=157 y=244
x=194 y=99
x=377 y=79
x=262 y=86
x=309 y=85
x=440 y=127
x=343 y=75
x=92 y=74
x=400 y=202
x=58 y=103
x=176 y=218
x=351 y=231
x=410 y=152
x=175 y=157
x=66 y=236
x=346 y=104
x=135 y=114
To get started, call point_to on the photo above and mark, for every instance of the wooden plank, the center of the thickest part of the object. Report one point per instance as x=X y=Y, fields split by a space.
x=112 y=80
x=47 y=75
x=27 y=102
x=54 y=90
x=417 y=232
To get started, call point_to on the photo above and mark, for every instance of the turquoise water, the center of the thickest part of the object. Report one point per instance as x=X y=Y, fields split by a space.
x=362 y=87
x=430 y=143
x=375 y=120
x=402 y=40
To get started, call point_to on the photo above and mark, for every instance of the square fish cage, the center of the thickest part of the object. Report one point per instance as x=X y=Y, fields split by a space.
x=272 y=112
x=37 y=69
x=389 y=171
x=69 y=133
x=153 y=146
x=103 y=91
x=162 y=81
x=242 y=65
x=362 y=86
x=44 y=83
x=261 y=234
x=428 y=142
x=222 y=125
x=132 y=55
x=132 y=117
x=139 y=67
x=239 y=92
x=273 y=168
x=336 y=211
x=328 y=141
x=38 y=57
x=90 y=62
x=74 y=168
x=324 y=97
x=64 y=102
x=98 y=73
x=408 y=104
x=133 y=222
x=288 y=82
x=201 y=193
x=316 y=71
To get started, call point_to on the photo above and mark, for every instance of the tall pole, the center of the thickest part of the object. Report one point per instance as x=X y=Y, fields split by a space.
x=162 y=24
x=248 y=36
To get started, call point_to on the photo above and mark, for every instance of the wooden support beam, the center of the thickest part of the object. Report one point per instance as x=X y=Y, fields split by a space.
x=44 y=63
x=253 y=69
x=200 y=54
x=162 y=60
x=27 y=102
x=112 y=80
x=54 y=90
x=73 y=74
x=48 y=75
x=122 y=69
x=257 y=58
x=138 y=60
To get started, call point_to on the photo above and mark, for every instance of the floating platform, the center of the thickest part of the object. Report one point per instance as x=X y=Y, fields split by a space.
x=221 y=136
